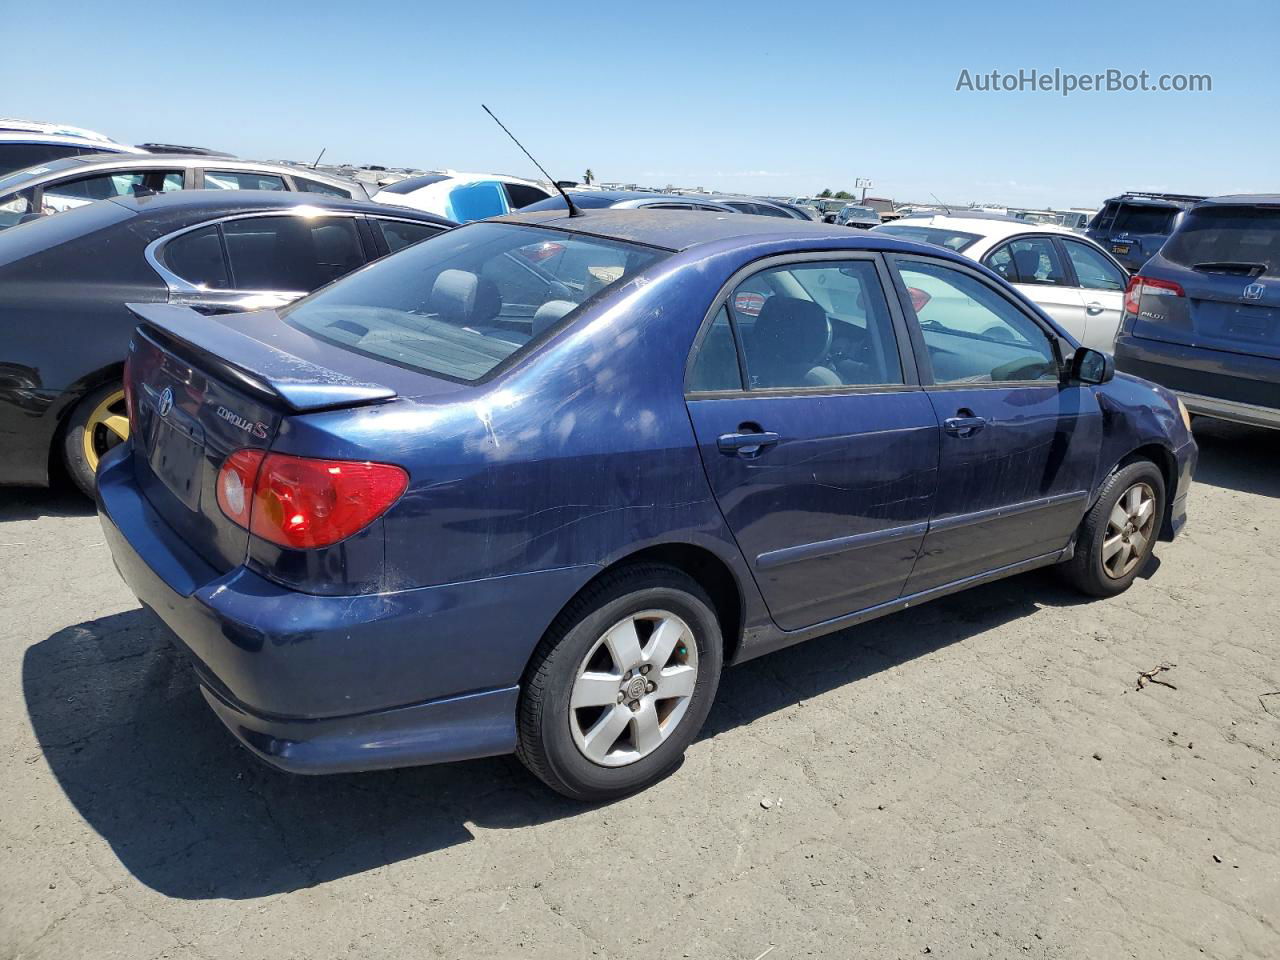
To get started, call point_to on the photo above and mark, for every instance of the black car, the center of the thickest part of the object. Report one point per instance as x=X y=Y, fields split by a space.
x=1203 y=316
x=1133 y=226
x=65 y=280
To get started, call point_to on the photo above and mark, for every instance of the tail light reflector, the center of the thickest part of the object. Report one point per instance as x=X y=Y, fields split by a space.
x=302 y=502
x=1139 y=285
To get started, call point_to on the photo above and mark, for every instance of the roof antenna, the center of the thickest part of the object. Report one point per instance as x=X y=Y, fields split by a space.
x=317 y=163
x=941 y=204
x=573 y=211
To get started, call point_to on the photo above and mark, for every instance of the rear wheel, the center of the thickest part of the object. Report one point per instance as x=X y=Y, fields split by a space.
x=1118 y=534
x=98 y=423
x=621 y=684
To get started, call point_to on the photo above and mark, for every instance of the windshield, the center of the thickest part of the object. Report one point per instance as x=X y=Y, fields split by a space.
x=1227 y=236
x=938 y=236
x=461 y=303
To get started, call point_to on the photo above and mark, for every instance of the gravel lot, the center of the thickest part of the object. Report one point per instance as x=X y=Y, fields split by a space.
x=978 y=777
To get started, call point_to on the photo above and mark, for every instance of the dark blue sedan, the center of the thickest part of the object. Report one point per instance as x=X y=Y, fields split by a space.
x=526 y=486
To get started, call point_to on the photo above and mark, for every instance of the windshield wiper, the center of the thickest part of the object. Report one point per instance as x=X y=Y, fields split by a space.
x=1232 y=266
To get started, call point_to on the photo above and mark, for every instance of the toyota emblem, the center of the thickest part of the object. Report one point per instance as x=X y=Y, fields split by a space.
x=165 y=403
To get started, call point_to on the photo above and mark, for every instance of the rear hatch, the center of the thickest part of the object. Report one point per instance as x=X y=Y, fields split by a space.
x=1226 y=259
x=193 y=407
x=1134 y=230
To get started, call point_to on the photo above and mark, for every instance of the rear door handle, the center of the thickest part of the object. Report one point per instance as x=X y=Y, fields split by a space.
x=963 y=426
x=1093 y=308
x=745 y=444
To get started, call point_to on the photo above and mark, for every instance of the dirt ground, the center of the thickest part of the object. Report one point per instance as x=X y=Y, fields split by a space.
x=979 y=777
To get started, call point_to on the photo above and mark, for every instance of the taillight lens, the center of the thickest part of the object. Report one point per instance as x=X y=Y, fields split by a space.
x=128 y=395
x=918 y=298
x=1138 y=285
x=302 y=502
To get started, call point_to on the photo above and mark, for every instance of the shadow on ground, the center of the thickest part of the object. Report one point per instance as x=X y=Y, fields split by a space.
x=1236 y=457
x=191 y=814
x=30 y=503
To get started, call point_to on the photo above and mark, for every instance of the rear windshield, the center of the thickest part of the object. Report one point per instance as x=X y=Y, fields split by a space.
x=939 y=237
x=461 y=303
x=413 y=183
x=1242 y=238
x=1140 y=218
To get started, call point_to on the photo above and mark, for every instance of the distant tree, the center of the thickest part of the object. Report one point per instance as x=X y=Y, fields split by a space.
x=843 y=195
x=825 y=194
x=588 y=177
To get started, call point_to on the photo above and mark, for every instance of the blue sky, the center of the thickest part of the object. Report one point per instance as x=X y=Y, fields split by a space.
x=770 y=98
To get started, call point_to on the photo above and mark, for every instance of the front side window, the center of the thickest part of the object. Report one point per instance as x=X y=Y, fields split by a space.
x=816 y=325
x=462 y=302
x=1093 y=270
x=972 y=334
x=521 y=195
x=15 y=206
x=125 y=183
x=1032 y=260
x=290 y=253
x=241 y=180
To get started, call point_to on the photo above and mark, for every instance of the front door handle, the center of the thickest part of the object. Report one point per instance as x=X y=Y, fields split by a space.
x=1093 y=308
x=964 y=426
x=745 y=444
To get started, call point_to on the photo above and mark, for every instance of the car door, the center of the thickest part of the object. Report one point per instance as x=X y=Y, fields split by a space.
x=1033 y=264
x=1018 y=445
x=819 y=443
x=1102 y=283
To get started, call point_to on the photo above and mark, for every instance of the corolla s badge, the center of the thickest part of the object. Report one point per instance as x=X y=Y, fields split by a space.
x=1254 y=291
x=165 y=403
x=257 y=429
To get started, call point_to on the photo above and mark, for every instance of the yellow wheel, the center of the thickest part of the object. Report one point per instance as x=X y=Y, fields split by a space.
x=98 y=423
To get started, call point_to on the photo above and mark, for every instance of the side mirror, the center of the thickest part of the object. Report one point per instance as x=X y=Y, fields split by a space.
x=1092 y=366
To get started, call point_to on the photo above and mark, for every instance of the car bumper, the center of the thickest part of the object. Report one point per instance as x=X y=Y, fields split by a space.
x=1213 y=383
x=326 y=684
x=1184 y=460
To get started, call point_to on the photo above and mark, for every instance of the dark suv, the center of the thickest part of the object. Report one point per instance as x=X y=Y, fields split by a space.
x=1133 y=226
x=1203 y=316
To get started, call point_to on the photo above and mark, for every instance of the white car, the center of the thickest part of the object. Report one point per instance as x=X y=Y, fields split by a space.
x=19 y=150
x=464 y=196
x=1069 y=276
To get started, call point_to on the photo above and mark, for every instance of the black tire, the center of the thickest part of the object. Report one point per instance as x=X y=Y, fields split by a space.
x=79 y=468
x=545 y=742
x=1086 y=571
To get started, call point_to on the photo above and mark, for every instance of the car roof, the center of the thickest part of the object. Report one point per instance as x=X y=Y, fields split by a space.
x=676 y=230
x=1245 y=199
x=248 y=201
x=110 y=161
x=18 y=125
x=62 y=139
x=985 y=226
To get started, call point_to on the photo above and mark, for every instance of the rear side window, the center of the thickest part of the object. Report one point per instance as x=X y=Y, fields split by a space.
x=716 y=365
x=971 y=333
x=241 y=180
x=1093 y=270
x=1139 y=218
x=291 y=253
x=197 y=258
x=400 y=234
x=18 y=156
x=519 y=195
x=315 y=186
x=15 y=206
x=468 y=300
x=1231 y=238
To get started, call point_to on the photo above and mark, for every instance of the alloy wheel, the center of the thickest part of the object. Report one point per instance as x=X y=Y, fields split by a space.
x=1129 y=528
x=107 y=426
x=633 y=688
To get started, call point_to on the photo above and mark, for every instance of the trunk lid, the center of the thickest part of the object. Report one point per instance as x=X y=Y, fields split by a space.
x=203 y=389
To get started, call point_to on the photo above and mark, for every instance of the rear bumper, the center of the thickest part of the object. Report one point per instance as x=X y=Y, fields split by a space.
x=320 y=684
x=1213 y=383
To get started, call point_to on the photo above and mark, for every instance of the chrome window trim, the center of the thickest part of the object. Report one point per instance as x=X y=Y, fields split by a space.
x=182 y=287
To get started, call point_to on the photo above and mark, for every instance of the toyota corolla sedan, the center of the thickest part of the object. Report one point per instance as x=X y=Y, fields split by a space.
x=530 y=484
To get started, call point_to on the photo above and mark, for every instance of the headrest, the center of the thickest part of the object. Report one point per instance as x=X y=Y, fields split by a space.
x=1027 y=262
x=453 y=295
x=791 y=329
x=550 y=313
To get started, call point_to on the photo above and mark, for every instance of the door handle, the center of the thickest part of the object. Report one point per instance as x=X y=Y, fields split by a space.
x=746 y=444
x=964 y=426
x=1093 y=308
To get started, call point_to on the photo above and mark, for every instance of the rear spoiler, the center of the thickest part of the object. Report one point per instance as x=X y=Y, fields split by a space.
x=252 y=365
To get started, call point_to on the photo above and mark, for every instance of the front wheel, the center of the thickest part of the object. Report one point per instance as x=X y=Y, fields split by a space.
x=1119 y=532
x=621 y=684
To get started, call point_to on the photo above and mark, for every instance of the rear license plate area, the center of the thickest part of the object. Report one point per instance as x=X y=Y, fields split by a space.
x=176 y=459
x=1119 y=248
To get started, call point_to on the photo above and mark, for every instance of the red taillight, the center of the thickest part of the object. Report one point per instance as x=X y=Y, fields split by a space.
x=300 y=502
x=918 y=298
x=1138 y=285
